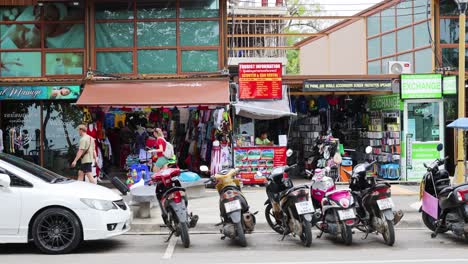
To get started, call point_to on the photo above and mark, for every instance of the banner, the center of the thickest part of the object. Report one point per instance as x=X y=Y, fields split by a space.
x=421 y=86
x=71 y=92
x=346 y=85
x=384 y=102
x=421 y=153
x=450 y=85
x=260 y=81
x=252 y=159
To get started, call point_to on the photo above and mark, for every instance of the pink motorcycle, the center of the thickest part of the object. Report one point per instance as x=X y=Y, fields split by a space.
x=338 y=214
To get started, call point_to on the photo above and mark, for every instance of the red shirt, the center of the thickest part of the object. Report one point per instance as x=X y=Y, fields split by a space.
x=151 y=142
x=160 y=142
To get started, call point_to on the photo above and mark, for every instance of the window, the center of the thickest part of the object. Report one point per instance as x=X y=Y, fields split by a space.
x=421 y=10
x=405 y=39
x=448 y=8
x=374 y=67
x=16 y=181
x=388 y=19
x=423 y=121
x=373 y=48
x=421 y=31
x=152 y=37
x=423 y=61
x=404 y=13
x=36 y=39
x=388 y=44
x=450 y=57
x=407 y=57
x=373 y=25
x=449 y=31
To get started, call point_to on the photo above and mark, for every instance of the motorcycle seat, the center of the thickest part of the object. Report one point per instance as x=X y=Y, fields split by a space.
x=446 y=190
x=288 y=191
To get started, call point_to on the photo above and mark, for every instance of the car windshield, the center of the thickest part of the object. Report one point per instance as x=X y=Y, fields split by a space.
x=38 y=171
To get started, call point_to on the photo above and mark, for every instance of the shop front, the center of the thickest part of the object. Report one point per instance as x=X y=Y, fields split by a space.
x=192 y=113
x=38 y=123
x=426 y=98
x=339 y=118
x=261 y=121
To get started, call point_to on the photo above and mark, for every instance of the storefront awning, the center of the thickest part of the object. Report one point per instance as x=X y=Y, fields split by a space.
x=156 y=93
x=264 y=110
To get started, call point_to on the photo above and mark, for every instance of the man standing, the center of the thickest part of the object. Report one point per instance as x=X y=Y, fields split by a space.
x=86 y=155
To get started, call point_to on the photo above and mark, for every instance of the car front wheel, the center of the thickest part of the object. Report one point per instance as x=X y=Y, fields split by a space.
x=56 y=231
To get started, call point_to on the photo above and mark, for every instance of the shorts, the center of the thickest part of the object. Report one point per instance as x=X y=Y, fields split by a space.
x=86 y=167
x=161 y=162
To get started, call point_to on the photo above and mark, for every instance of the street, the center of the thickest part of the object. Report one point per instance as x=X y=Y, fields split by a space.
x=412 y=246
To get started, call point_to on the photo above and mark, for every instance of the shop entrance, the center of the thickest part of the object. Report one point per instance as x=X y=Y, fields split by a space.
x=424 y=130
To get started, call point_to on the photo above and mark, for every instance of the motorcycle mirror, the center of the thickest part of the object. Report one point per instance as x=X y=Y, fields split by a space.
x=204 y=168
x=289 y=153
x=440 y=147
x=368 y=150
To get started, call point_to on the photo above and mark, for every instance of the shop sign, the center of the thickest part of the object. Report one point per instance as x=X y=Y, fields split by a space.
x=421 y=153
x=69 y=92
x=384 y=102
x=252 y=159
x=346 y=85
x=421 y=86
x=450 y=85
x=260 y=81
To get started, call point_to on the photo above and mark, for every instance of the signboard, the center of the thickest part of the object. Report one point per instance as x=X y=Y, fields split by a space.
x=384 y=102
x=252 y=159
x=70 y=92
x=450 y=85
x=421 y=86
x=420 y=153
x=346 y=85
x=260 y=81
x=409 y=151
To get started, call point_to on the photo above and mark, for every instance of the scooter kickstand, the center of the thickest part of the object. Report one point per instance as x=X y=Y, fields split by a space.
x=170 y=236
x=320 y=235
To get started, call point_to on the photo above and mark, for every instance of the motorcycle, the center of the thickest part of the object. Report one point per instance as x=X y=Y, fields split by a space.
x=288 y=209
x=444 y=207
x=236 y=218
x=173 y=203
x=337 y=216
x=374 y=203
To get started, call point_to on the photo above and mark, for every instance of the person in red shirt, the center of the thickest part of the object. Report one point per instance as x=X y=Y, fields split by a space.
x=158 y=143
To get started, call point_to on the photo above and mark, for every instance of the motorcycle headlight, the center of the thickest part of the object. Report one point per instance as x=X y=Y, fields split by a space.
x=101 y=205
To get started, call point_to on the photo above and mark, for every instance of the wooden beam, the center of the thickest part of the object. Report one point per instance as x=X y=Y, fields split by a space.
x=241 y=18
x=278 y=35
x=264 y=48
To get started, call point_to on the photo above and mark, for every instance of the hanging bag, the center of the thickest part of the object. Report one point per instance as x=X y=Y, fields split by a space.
x=169 y=151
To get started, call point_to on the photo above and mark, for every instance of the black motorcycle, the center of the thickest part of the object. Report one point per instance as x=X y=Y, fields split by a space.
x=445 y=207
x=289 y=209
x=173 y=203
x=375 y=205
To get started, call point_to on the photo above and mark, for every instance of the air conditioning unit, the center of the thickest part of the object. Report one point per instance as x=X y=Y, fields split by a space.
x=399 y=67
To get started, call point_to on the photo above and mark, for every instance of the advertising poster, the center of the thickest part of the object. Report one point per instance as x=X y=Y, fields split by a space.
x=263 y=159
x=421 y=153
x=70 y=92
x=23 y=29
x=260 y=81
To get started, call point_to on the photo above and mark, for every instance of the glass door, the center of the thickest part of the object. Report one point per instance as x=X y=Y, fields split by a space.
x=423 y=131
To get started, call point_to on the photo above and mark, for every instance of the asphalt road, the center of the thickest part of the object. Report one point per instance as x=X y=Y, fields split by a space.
x=412 y=246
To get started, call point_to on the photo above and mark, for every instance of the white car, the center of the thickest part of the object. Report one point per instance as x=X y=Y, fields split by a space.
x=55 y=212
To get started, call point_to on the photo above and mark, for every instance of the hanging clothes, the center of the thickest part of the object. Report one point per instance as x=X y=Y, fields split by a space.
x=1 y=141
x=216 y=165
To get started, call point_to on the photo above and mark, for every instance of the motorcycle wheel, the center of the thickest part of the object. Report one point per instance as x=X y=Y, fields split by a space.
x=389 y=233
x=306 y=236
x=346 y=234
x=184 y=234
x=241 y=235
x=430 y=223
x=274 y=223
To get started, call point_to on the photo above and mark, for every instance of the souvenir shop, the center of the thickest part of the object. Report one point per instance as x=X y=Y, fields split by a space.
x=198 y=126
x=337 y=119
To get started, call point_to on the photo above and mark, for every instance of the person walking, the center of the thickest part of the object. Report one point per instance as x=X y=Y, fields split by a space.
x=86 y=155
x=161 y=162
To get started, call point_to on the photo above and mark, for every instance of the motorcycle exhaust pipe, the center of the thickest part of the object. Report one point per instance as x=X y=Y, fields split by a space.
x=397 y=216
x=193 y=221
x=249 y=222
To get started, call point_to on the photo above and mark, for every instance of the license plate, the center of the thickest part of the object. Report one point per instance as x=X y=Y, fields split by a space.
x=385 y=204
x=346 y=214
x=305 y=207
x=232 y=206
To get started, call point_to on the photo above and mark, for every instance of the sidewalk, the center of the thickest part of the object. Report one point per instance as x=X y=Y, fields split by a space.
x=207 y=208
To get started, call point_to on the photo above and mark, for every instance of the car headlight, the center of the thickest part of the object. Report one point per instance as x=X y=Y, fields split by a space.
x=101 y=205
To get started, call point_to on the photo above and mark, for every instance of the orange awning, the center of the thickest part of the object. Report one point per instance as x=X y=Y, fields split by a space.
x=156 y=93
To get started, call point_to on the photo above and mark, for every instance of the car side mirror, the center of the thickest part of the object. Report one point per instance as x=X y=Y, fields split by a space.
x=4 y=180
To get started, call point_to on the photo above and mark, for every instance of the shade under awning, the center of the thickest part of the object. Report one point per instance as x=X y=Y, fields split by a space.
x=156 y=93
x=264 y=110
